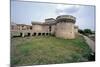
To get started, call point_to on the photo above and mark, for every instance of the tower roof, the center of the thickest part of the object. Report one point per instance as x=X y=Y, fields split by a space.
x=67 y=18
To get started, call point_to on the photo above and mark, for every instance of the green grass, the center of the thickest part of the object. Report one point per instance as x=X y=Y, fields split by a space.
x=48 y=50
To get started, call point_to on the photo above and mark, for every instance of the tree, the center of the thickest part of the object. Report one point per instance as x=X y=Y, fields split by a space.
x=81 y=31
x=87 y=31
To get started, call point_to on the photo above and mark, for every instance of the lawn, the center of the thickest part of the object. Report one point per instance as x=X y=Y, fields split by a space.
x=48 y=50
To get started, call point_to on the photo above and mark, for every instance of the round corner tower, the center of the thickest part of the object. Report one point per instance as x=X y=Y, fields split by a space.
x=65 y=27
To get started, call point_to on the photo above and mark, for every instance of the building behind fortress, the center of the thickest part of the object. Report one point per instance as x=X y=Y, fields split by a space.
x=62 y=27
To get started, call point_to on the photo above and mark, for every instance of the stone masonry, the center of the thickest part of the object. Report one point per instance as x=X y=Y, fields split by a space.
x=62 y=27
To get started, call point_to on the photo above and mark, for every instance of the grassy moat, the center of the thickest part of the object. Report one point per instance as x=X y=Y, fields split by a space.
x=48 y=50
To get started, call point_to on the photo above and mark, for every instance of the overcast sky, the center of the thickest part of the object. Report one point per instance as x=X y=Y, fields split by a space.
x=25 y=12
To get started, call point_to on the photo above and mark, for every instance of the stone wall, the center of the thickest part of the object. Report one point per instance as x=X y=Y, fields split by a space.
x=76 y=29
x=62 y=27
x=65 y=30
x=40 y=28
x=21 y=27
x=13 y=27
x=65 y=27
x=53 y=29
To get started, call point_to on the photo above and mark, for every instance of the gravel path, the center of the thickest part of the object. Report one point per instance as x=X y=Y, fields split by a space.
x=90 y=42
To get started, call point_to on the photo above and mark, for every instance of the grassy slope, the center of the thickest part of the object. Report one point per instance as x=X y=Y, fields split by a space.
x=48 y=50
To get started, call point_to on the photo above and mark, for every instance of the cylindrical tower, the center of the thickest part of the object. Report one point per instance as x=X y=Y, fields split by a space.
x=65 y=27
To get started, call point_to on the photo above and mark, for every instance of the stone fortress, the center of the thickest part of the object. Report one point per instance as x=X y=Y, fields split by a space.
x=63 y=27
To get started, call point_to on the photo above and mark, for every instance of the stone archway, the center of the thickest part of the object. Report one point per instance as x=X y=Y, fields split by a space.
x=28 y=34
x=34 y=34
x=21 y=34
x=39 y=34
x=43 y=34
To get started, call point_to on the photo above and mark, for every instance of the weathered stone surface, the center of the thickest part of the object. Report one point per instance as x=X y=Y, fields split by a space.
x=76 y=29
x=65 y=30
x=62 y=27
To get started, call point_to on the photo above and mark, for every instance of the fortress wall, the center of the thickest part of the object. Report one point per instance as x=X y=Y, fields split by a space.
x=40 y=28
x=53 y=29
x=65 y=27
x=13 y=27
x=19 y=27
x=36 y=28
x=22 y=27
x=76 y=29
x=62 y=27
x=65 y=30
x=45 y=28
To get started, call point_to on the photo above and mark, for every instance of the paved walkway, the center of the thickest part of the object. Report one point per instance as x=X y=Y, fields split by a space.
x=90 y=42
